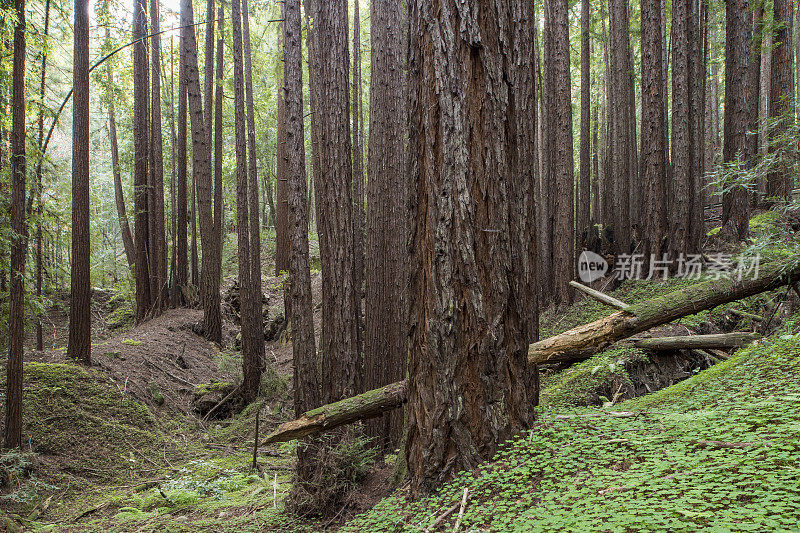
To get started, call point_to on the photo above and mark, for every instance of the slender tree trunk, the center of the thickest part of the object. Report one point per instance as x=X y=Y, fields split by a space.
x=182 y=254
x=304 y=353
x=16 y=319
x=127 y=237
x=781 y=92
x=735 y=203
x=561 y=159
x=595 y=203
x=141 y=150
x=358 y=175
x=608 y=203
x=40 y=143
x=201 y=172
x=386 y=300
x=251 y=363
x=158 y=254
x=208 y=72
x=698 y=86
x=548 y=186
x=174 y=298
x=193 y=213
x=253 y=195
x=469 y=380
x=654 y=164
x=281 y=188
x=765 y=92
x=219 y=206
x=584 y=188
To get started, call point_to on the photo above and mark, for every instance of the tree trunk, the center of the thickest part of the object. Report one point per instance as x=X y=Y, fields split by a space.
x=654 y=164
x=40 y=143
x=208 y=72
x=340 y=355
x=584 y=188
x=127 y=238
x=252 y=336
x=16 y=319
x=140 y=163
x=358 y=176
x=735 y=203
x=254 y=209
x=682 y=143
x=561 y=158
x=469 y=381
x=282 y=228
x=699 y=21
x=158 y=255
x=620 y=140
x=219 y=206
x=386 y=300
x=607 y=205
x=79 y=344
x=546 y=191
x=182 y=254
x=201 y=172
x=173 y=265
x=304 y=352
x=779 y=183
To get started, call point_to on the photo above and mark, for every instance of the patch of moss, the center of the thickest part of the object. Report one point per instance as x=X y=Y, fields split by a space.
x=212 y=387
x=765 y=222
x=131 y=342
x=85 y=419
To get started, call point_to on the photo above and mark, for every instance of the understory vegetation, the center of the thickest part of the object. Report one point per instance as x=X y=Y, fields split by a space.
x=714 y=446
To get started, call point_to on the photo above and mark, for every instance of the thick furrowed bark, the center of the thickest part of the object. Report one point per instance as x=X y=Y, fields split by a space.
x=574 y=344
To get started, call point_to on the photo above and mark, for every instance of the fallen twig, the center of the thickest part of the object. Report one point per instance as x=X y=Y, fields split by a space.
x=461 y=511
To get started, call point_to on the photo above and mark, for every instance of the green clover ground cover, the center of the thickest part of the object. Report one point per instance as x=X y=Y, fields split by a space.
x=718 y=452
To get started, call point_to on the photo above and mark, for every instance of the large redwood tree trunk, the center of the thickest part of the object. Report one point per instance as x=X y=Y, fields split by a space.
x=469 y=380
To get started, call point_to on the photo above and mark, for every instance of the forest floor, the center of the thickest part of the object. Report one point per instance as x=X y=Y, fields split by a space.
x=121 y=446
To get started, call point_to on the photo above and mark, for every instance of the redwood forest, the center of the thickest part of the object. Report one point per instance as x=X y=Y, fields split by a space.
x=399 y=265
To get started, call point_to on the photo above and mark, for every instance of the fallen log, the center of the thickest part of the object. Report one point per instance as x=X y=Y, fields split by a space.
x=689 y=342
x=599 y=296
x=661 y=310
x=745 y=314
x=368 y=405
x=575 y=343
